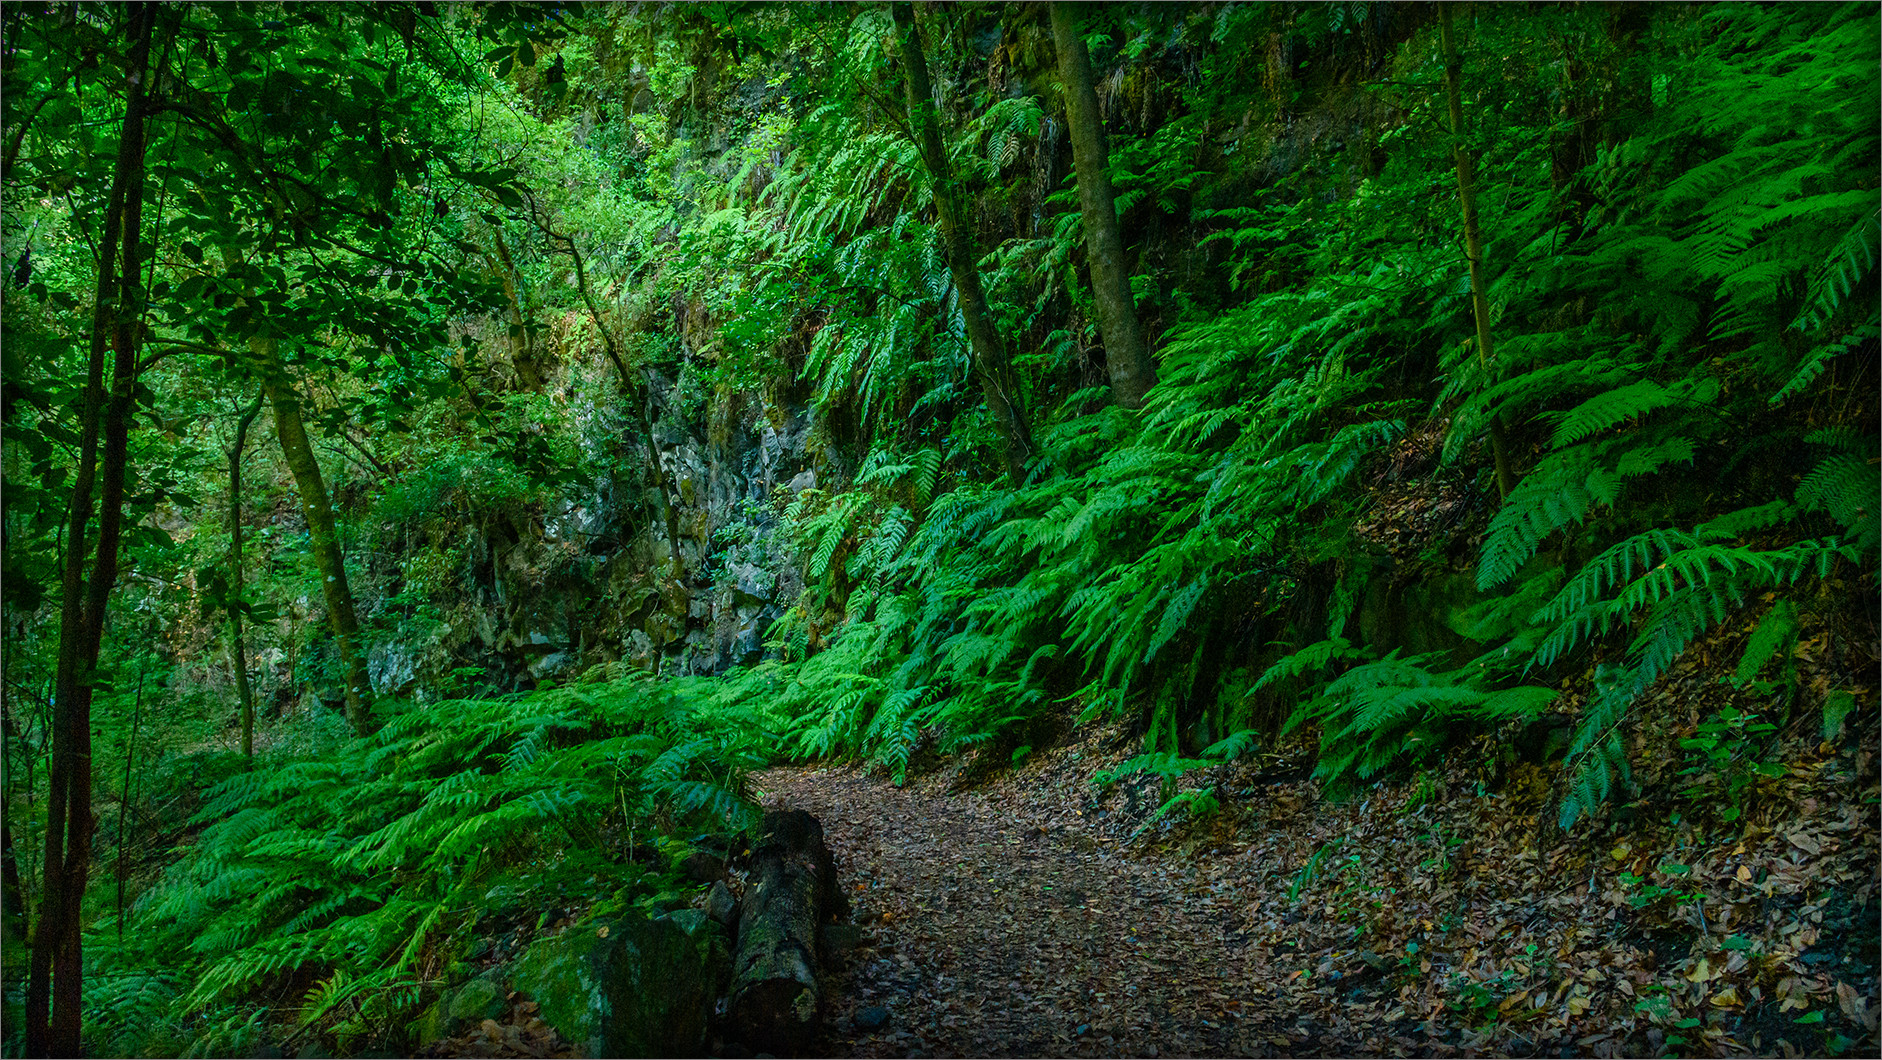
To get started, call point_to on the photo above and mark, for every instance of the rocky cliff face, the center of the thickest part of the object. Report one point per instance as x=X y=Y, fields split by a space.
x=587 y=581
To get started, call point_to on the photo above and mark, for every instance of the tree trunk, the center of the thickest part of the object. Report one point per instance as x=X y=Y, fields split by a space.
x=12 y=899
x=1473 y=238
x=1570 y=151
x=639 y=393
x=989 y=356
x=1125 y=353
x=54 y=977
x=237 y=650
x=1630 y=102
x=774 y=997
x=329 y=559
x=522 y=350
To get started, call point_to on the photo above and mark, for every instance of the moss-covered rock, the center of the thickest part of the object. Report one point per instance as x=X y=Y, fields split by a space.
x=482 y=998
x=628 y=985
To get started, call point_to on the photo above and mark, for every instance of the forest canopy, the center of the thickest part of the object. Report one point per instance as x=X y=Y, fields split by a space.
x=448 y=447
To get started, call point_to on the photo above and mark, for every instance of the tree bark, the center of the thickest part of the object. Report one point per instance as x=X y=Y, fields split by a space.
x=989 y=356
x=1630 y=102
x=522 y=352
x=1473 y=237
x=13 y=931
x=1125 y=353
x=329 y=559
x=237 y=649
x=639 y=393
x=54 y=976
x=774 y=997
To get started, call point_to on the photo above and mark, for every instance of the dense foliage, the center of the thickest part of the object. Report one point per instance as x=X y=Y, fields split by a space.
x=540 y=282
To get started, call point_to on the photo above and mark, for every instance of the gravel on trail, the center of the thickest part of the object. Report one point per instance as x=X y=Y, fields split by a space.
x=994 y=928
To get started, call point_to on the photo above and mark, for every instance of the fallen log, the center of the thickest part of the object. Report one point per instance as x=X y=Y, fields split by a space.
x=793 y=891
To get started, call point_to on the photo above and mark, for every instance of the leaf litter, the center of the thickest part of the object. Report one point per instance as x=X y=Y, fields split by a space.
x=1428 y=916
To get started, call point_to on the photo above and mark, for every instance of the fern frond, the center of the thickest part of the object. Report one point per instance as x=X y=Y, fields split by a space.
x=1606 y=410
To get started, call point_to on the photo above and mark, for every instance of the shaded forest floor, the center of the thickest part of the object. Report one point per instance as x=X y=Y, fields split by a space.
x=1729 y=907
x=1019 y=917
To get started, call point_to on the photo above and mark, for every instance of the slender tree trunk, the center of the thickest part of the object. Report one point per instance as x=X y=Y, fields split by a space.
x=14 y=919
x=1125 y=352
x=640 y=394
x=991 y=364
x=238 y=651
x=12 y=897
x=1630 y=102
x=522 y=352
x=1473 y=237
x=329 y=560
x=124 y=796
x=54 y=977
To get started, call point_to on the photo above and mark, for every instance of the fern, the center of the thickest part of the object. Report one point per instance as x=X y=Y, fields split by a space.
x=1561 y=492
x=1849 y=262
x=291 y=870
x=1391 y=709
x=1819 y=358
x=1846 y=486
x=1606 y=410
x=1312 y=658
x=1775 y=633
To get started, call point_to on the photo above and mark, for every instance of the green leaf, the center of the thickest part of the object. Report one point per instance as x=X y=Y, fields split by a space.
x=1836 y=707
x=1777 y=630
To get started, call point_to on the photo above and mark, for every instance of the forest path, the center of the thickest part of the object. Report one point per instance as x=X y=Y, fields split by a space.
x=996 y=926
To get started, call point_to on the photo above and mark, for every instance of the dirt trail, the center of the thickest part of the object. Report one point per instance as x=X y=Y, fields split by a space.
x=992 y=929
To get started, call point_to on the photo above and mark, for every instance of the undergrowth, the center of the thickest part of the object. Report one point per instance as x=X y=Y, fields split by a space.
x=1188 y=566
x=332 y=893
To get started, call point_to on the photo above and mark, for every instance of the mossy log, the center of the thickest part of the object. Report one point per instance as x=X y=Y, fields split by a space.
x=793 y=891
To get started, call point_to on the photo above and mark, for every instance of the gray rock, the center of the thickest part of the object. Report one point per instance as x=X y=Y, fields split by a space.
x=721 y=904
x=873 y=1018
x=750 y=582
x=803 y=480
x=748 y=644
x=551 y=665
x=391 y=668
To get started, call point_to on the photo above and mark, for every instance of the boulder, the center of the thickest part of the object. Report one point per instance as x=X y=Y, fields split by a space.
x=552 y=665
x=629 y=985
x=391 y=668
x=722 y=905
x=459 y=1010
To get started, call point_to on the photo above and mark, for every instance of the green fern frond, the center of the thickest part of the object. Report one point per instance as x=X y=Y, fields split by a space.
x=1849 y=262
x=1606 y=410
x=1818 y=359
x=1846 y=486
x=1314 y=657
x=1776 y=632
